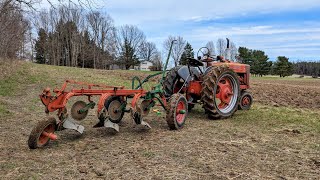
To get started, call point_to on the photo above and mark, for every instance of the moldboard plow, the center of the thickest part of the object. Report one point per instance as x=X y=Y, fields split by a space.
x=111 y=106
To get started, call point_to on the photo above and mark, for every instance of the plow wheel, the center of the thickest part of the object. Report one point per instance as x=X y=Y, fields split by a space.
x=42 y=133
x=177 y=111
x=113 y=106
x=220 y=92
x=76 y=111
x=245 y=101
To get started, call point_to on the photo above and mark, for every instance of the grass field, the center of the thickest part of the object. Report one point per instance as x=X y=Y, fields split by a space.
x=279 y=138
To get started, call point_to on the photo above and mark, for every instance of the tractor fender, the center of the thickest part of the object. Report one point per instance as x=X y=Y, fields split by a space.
x=184 y=73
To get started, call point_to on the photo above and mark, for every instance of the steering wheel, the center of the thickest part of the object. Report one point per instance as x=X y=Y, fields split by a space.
x=204 y=51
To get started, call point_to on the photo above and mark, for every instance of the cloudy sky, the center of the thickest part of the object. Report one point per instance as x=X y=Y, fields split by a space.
x=279 y=27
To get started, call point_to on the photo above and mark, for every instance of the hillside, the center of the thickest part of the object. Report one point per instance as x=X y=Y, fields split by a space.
x=278 y=138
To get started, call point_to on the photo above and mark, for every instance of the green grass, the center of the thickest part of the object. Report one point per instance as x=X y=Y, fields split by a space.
x=269 y=118
x=4 y=111
x=278 y=117
x=25 y=75
x=270 y=77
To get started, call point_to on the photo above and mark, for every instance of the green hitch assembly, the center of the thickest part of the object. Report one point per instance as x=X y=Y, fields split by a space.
x=88 y=106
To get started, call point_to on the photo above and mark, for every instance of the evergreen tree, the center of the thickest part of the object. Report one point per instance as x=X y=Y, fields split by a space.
x=128 y=57
x=283 y=67
x=40 y=47
x=188 y=52
x=245 y=55
x=257 y=59
x=261 y=66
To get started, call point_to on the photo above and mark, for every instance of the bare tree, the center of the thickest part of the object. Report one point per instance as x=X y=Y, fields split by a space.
x=221 y=47
x=157 y=61
x=148 y=51
x=95 y=21
x=233 y=51
x=129 y=41
x=177 y=49
x=210 y=46
x=13 y=29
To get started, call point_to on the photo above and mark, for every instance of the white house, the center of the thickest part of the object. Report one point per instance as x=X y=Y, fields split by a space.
x=144 y=66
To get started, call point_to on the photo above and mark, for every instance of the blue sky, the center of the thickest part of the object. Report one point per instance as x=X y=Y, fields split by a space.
x=279 y=27
x=287 y=27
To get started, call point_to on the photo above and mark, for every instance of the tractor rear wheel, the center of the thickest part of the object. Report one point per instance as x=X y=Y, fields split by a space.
x=42 y=133
x=177 y=111
x=245 y=101
x=220 y=92
x=172 y=82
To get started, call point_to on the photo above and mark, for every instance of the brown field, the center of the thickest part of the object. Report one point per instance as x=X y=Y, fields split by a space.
x=279 y=138
x=290 y=92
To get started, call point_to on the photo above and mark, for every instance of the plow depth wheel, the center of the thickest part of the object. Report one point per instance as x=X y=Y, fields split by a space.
x=245 y=101
x=113 y=106
x=220 y=92
x=177 y=111
x=42 y=133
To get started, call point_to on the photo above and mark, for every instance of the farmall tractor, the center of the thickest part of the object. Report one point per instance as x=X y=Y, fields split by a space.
x=219 y=84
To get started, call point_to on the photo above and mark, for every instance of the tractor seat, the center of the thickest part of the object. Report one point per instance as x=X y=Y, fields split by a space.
x=194 y=62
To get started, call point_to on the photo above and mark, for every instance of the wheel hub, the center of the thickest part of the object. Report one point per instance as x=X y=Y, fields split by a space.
x=75 y=111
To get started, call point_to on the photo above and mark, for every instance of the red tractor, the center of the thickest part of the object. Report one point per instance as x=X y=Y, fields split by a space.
x=219 y=84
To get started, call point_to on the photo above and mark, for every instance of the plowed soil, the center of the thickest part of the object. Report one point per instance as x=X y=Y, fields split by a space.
x=300 y=93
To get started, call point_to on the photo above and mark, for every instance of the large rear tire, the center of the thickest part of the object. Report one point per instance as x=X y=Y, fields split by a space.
x=172 y=83
x=220 y=92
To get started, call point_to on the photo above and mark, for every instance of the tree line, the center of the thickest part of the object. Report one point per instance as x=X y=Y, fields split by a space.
x=260 y=64
x=73 y=37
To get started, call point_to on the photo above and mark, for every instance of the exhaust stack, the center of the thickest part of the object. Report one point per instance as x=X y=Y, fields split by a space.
x=228 y=50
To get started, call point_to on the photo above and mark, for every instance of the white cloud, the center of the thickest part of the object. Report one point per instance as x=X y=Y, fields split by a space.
x=139 y=11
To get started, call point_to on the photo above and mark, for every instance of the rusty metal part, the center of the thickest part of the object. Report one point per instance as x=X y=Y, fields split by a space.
x=144 y=106
x=76 y=112
x=115 y=110
x=42 y=133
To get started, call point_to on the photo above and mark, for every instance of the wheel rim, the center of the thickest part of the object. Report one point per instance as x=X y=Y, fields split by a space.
x=226 y=93
x=43 y=139
x=180 y=117
x=245 y=101
x=114 y=111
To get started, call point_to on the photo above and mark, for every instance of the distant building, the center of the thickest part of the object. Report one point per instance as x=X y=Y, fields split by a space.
x=145 y=65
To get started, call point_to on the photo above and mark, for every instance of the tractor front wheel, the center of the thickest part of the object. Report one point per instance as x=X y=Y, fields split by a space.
x=245 y=101
x=42 y=133
x=177 y=111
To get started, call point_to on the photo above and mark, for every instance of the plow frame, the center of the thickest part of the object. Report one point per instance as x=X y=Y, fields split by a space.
x=176 y=106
